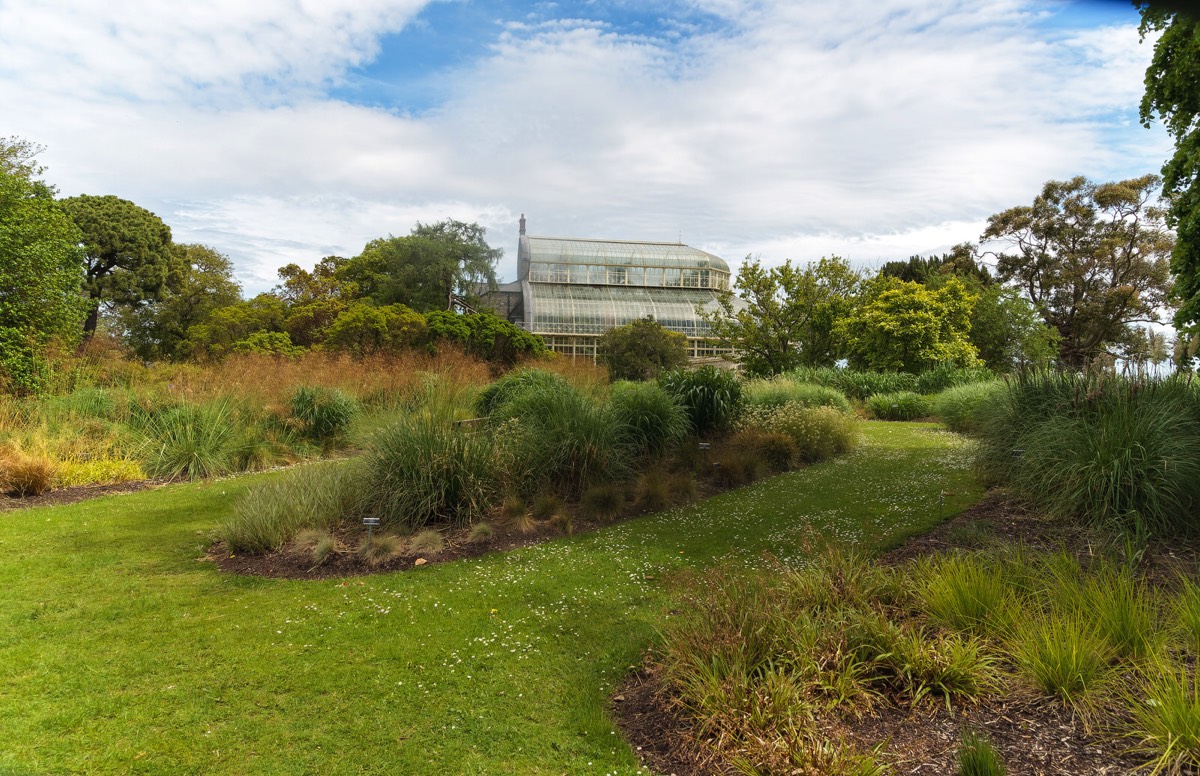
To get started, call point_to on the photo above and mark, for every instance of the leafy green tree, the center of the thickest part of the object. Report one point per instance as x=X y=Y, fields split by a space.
x=202 y=284
x=1007 y=330
x=315 y=299
x=961 y=262
x=485 y=335
x=41 y=268
x=1171 y=93
x=425 y=268
x=272 y=343
x=641 y=350
x=127 y=253
x=790 y=316
x=362 y=329
x=225 y=326
x=1092 y=258
x=903 y=326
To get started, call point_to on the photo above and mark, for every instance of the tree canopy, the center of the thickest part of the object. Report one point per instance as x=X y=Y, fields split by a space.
x=1171 y=93
x=641 y=350
x=791 y=316
x=41 y=268
x=1092 y=258
x=127 y=252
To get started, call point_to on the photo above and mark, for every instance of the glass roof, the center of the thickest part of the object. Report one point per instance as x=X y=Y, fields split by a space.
x=564 y=250
x=595 y=309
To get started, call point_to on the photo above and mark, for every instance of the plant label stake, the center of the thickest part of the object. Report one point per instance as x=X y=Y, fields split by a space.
x=370 y=523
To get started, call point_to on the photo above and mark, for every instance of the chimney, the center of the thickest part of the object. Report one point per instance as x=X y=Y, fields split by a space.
x=522 y=223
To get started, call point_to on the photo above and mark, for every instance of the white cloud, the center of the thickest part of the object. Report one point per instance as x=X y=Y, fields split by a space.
x=867 y=129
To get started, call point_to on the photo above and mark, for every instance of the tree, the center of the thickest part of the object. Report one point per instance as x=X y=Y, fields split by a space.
x=362 y=329
x=315 y=299
x=902 y=326
x=641 y=350
x=127 y=252
x=202 y=284
x=485 y=335
x=41 y=268
x=1171 y=92
x=1007 y=330
x=226 y=326
x=1092 y=258
x=789 y=315
x=961 y=261
x=425 y=268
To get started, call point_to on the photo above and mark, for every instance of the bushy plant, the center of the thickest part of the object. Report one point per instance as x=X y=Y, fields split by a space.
x=962 y=407
x=377 y=549
x=1166 y=718
x=324 y=414
x=653 y=420
x=945 y=376
x=960 y=592
x=423 y=469
x=1061 y=654
x=712 y=397
x=780 y=391
x=26 y=472
x=819 y=433
x=641 y=350
x=189 y=441
x=546 y=507
x=512 y=385
x=603 y=502
x=427 y=542
x=854 y=383
x=776 y=448
x=898 y=406
x=563 y=441
x=652 y=491
x=1107 y=451
x=317 y=496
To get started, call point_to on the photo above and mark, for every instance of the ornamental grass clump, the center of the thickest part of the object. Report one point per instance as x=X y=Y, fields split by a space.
x=711 y=397
x=424 y=469
x=978 y=757
x=1118 y=454
x=324 y=414
x=944 y=376
x=904 y=405
x=962 y=408
x=779 y=391
x=189 y=441
x=853 y=383
x=651 y=418
x=962 y=592
x=512 y=385
x=1165 y=712
x=317 y=496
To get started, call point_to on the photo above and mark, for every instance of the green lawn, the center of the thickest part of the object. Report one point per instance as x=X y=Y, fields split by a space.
x=121 y=652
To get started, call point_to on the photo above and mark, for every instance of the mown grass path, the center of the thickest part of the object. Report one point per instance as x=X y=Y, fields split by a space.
x=120 y=652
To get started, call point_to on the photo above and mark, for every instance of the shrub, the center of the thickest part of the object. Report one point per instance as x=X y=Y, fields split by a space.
x=777 y=449
x=421 y=470
x=962 y=407
x=641 y=350
x=898 y=406
x=189 y=441
x=317 y=496
x=712 y=397
x=324 y=414
x=818 y=433
x=650 y=417
x=780 y=391
x=512 y=385
x=480 y=532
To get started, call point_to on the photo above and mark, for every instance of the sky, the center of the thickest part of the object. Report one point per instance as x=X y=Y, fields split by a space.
x=281 y=131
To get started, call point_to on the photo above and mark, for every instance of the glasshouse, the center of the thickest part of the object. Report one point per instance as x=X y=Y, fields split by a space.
x=571 y=290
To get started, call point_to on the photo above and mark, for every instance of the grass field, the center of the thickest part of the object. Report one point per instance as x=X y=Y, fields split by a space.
x=121 y=652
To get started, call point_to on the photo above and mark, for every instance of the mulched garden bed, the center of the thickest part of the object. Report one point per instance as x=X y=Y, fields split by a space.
x=75 y=494
x=1036 y=737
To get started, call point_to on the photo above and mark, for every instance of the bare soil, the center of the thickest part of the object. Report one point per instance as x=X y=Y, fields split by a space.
x=75 y=494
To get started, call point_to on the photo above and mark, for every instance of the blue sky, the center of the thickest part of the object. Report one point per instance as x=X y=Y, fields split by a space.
x=281 y=132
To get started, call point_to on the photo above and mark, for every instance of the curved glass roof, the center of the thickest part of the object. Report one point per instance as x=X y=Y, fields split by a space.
x=570 y=250
x=569 y=309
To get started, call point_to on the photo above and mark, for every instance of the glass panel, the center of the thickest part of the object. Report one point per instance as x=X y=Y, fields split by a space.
x=616 y=276
x=671 y=277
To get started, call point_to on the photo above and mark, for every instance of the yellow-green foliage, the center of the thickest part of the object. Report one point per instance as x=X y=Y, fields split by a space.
x=98 y=471
x=819 y=432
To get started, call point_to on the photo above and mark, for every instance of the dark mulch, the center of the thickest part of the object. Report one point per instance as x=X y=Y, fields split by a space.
x=76 y=494
x=1035 y=737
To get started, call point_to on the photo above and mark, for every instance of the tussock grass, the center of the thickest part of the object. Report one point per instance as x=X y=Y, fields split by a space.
x=652 y=419
x=978 y=757
x=855 y=384
x=603 y=502
x=190 y=441
x=779 y=391
x=904 y=405
x=427 y=542
x=818 y=433
x=317 y=496
x=1165 y=710
x=963 y=408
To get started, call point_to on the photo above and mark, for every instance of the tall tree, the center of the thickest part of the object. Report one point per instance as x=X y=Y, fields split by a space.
x=202 y=283
x=789 y=317
x=1171 y=92
x=905 y=327
x=1092 y=258
x=41 y=268
x=425 y=268
x=127 y=252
